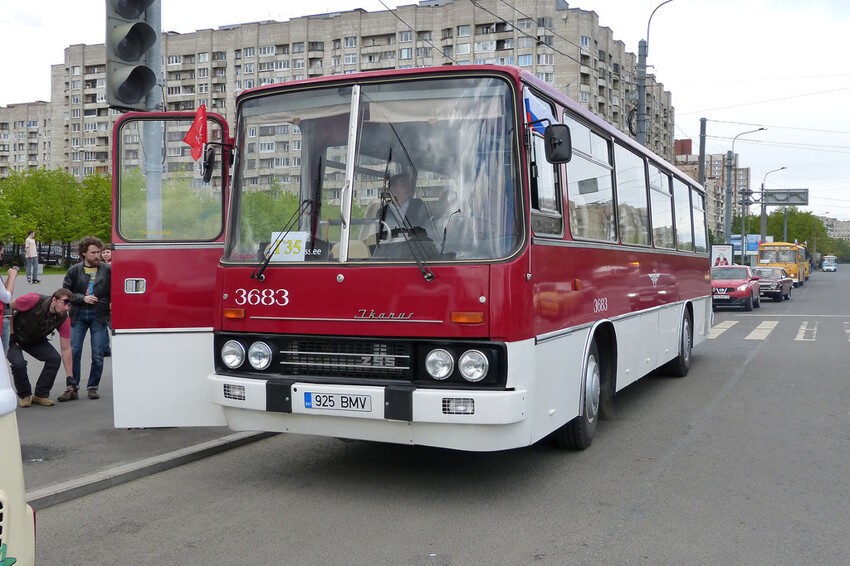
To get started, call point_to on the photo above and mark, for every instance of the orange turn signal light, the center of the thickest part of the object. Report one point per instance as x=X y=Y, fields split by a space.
x=234 y=313
x=467 y=317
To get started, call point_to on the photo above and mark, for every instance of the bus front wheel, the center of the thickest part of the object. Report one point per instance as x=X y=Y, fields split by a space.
x=681 y=364
x=579 y=432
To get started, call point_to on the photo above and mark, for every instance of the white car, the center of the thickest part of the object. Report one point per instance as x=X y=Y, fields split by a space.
x=17 y=520
x=830 y=267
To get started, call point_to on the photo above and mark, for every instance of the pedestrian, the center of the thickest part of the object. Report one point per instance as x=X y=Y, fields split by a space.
x=106 y=257
x=106 y=254
x=89 y=282
x=34 y=319
x=6 y=291
x=31 y=252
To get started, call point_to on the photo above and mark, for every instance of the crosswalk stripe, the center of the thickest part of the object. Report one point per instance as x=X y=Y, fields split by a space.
x=721 y=328
x=762 y=330
x=847 y=330
x=807 y=332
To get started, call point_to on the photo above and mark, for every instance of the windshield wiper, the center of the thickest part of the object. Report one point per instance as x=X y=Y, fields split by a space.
x=287 y=228
x=410 y=236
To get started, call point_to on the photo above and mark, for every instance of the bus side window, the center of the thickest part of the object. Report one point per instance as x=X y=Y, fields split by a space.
x=545 y=192
x=632 y=202
x=590 y=188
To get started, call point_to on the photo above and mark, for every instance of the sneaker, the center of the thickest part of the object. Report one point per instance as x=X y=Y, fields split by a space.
x=93 y=394
x=25 y=401
x=43 y=401
x=69 y=395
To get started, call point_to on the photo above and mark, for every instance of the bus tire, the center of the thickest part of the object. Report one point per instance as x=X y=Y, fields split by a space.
x=579 y=432
x=681 y=364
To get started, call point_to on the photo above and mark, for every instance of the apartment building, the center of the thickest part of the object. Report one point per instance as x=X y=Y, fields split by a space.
x=715 y=183
x=564 y=46
x=25 y=136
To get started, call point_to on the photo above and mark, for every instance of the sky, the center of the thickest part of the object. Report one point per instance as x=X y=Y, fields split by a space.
x=741 y=64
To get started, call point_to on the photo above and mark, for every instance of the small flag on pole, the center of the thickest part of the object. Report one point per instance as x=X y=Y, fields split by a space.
x=197 y=134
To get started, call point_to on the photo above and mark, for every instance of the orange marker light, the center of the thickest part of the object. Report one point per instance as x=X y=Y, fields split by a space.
x=234 y=313
x=467 y=317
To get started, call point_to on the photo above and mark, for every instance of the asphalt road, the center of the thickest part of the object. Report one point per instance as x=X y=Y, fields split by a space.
x=742 y=462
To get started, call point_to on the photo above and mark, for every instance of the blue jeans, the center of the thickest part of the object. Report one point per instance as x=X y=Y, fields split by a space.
x=86 y=319
x=32 y=269
x=7 y=326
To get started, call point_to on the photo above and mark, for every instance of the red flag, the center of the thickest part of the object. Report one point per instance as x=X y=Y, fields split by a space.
x=197 y=134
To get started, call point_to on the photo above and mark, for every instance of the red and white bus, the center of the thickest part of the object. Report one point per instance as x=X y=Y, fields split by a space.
x=559 y=263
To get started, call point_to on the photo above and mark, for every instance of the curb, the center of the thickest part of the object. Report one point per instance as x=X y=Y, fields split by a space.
x=79 y=487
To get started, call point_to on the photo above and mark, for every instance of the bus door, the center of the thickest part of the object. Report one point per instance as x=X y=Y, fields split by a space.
x=168 y=233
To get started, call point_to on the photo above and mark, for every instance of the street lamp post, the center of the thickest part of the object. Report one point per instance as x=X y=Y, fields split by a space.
x=729 y=158
x=764 y=204
x=643 y=50
x=785 y=225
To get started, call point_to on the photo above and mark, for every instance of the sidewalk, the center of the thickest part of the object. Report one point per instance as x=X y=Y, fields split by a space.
x=72 y=448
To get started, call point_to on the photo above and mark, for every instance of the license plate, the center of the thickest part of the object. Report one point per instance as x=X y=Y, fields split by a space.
x=721 y=296
x=338 y=402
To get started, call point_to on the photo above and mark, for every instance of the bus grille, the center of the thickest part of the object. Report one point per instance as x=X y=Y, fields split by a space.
x=346 y=359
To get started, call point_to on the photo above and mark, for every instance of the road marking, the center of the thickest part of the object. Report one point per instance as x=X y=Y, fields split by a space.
x=762 y=330
x=721 y=328
x=807 y=332
x=847 y=330
x=794 y=315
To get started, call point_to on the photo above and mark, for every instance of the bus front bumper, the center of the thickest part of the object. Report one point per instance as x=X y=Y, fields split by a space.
x=392 y=402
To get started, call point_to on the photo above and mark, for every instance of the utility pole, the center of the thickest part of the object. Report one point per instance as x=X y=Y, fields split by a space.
x=701 y=173
x=643 y=51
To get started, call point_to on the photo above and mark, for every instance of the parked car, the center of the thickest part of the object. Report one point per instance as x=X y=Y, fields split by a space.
x=735 y=285
x=774 y=282
x=830 y=266
x=17 y=520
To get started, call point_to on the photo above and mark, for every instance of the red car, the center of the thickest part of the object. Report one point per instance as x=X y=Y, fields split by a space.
x=734 y=285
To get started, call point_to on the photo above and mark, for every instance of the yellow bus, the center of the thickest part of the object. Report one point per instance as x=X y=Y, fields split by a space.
x=789 y=256
x=808 y=265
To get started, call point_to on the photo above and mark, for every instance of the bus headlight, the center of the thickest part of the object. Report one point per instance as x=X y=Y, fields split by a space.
x=232 y=354
x=439 y=364
x=259 y=355
x=473 y=365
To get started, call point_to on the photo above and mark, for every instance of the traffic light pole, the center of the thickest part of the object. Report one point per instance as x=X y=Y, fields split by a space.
x=152 y=135
x=153 y=58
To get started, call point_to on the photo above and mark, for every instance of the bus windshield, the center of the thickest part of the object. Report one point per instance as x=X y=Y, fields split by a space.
x=418 y=170
x=778 y=256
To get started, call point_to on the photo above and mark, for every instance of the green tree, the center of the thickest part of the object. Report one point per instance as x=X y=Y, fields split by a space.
x=96 y=198
x=60 y=208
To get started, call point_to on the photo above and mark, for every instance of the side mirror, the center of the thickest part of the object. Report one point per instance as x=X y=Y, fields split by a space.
x=208 y=164
x=559 y=146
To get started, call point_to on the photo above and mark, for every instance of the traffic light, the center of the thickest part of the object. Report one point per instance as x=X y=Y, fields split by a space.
x=129 y=39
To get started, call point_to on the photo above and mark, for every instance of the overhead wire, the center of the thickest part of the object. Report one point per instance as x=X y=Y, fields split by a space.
x=767 y=100
x=772 y=127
